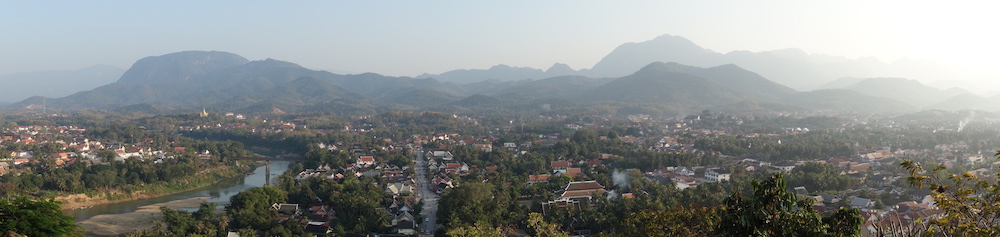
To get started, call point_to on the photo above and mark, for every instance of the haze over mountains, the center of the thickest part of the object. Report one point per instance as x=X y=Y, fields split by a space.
x=663 y=76
x=790 y=67
x=57 y=83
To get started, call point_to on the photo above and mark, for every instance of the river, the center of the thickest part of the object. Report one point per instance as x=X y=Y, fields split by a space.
x=218 y=193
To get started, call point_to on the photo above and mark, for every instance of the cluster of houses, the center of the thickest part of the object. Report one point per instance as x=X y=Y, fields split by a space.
x=71 y=146
x=316 y=218
x=441 y=165
x=267 y=127
x=684 y=177
x=399 y=183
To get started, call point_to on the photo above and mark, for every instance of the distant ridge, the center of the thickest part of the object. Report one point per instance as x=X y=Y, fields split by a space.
x=910 y=91
x=841 y=83
x=791 y=67
x=221 y=81
x=502 y=73
x=180 y=66
x=630 y=57
x=967 y=102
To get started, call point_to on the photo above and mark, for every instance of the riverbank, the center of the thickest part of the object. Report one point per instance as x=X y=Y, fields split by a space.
x=142 y=218
x=142 y=214
x=200 y=180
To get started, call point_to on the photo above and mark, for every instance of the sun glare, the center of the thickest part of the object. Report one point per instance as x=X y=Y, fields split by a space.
x=952 y=33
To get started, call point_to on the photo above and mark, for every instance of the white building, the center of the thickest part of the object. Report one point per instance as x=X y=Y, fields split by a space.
x=717 y=175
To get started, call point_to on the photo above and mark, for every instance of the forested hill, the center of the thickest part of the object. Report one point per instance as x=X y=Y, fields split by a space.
x=225 y=82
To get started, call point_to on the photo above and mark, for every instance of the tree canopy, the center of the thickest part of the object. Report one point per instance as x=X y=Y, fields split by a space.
x=969 y=202
x=770 y=210
x=35 y=217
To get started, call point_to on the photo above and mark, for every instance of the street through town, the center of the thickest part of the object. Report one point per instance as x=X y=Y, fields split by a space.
x=430 y=198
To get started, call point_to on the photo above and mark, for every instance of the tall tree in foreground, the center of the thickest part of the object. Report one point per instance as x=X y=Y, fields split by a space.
x=969 y=202
x=477 y=230
x=252 y=208
x=677 y=221
x=35 y=217
x=773 y=211
x=544 y=229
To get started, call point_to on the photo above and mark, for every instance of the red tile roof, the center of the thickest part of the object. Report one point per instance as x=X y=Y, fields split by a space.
x=541 y=177
x=573 y=171
x=584 y=185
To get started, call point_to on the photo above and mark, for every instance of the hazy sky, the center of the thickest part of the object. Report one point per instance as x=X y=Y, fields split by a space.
x=406 y=38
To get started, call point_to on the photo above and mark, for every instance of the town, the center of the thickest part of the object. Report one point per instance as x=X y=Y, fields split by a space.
x=566 y=169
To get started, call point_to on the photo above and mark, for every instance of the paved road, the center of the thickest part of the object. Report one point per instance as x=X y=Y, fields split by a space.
x=430 y=198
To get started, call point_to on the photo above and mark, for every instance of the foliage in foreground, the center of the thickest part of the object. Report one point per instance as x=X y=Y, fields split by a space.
x=35 y=217
x=969 y=203
x=773 y=211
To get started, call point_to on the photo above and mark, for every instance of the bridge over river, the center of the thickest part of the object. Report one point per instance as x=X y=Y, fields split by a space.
x=267 y=163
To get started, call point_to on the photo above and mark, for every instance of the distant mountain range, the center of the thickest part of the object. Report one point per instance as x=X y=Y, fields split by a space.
x=57 y=83
x=502 y=73
x=226 y=82
x=917 y=94
x=790 y=67
x=910 y=91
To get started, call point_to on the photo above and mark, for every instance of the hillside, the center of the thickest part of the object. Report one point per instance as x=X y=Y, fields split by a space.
x=791 y=67
x=848 y=101
x=195 y=79
x=555 y=87
x=841 y=83
x=660 y=83
x=967 y=102
x=501 y=73
x=910 y=91
x=736 y=78
x=179 y=67
x=630 y=57
x=189 y=81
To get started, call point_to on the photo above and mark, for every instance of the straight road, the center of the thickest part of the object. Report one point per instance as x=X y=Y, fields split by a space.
x=429 y=197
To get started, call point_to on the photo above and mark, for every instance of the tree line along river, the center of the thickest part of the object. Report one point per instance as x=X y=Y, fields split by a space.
x=219 y=193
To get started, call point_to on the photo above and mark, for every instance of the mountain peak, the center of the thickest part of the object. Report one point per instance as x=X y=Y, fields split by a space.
x=269 y=62
x=630 y=57
x=501 y=67
x=179 y=66
x=673 y=39
x=559 y=69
